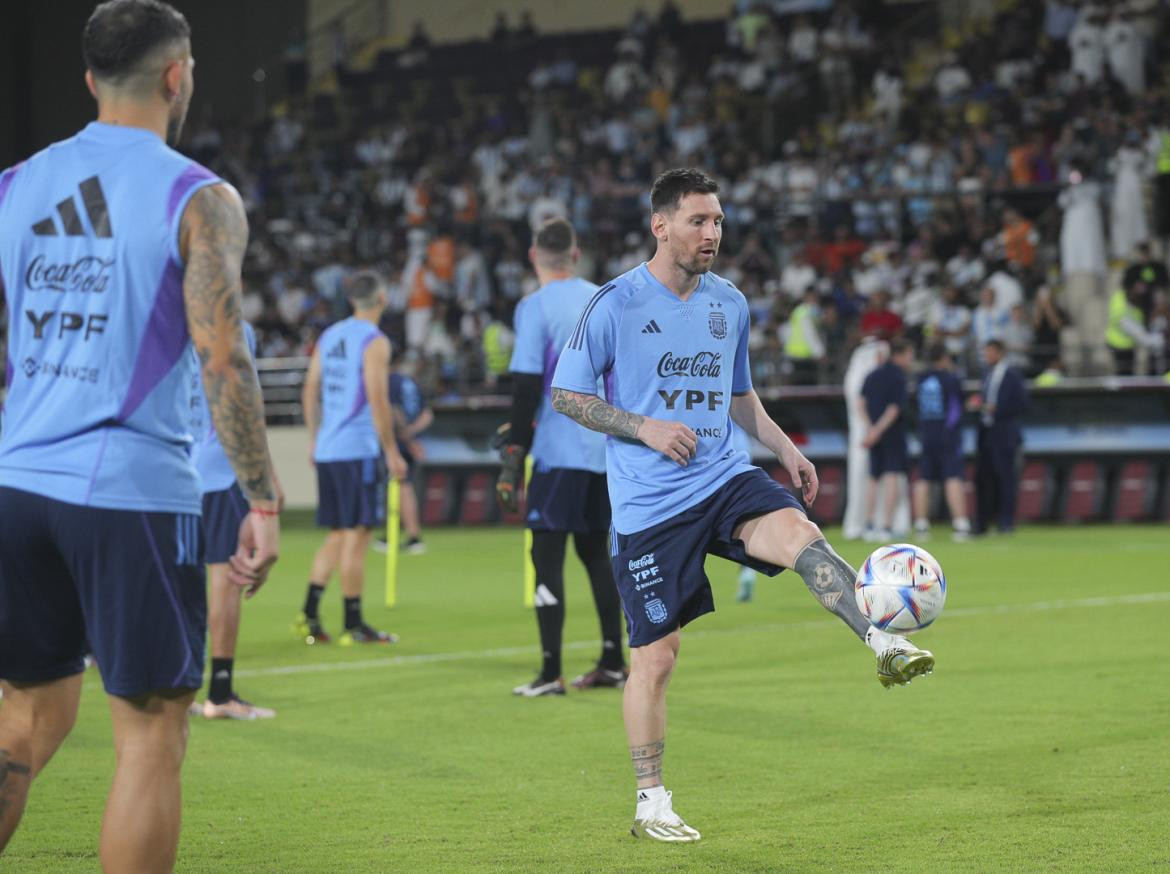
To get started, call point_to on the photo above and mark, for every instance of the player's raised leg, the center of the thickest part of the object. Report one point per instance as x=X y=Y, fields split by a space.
x=789 y=539
x=34 y=719
x=644 y=711
x=140 y=830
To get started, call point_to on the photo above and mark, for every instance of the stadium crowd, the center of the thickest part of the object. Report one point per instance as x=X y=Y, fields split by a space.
x=994 y=209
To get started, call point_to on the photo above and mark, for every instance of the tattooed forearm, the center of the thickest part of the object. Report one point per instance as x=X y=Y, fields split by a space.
x=215 y=233
x=592 y=412
x=647 y=761
x=12 y=791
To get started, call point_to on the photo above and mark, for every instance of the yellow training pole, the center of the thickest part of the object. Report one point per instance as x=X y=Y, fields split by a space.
x=529 y=569
x=394 y=496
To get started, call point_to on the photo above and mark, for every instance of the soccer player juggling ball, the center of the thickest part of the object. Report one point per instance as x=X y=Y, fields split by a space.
x=669 y=338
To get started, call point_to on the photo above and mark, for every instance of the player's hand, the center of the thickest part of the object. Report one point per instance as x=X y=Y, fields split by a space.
x=259 y=546
x=312 y=453
x=511 y=477
x=871 y=437
x=974 y=403
x=673 y=439
x=417 y=449
x=397 y=465
x=803 y=474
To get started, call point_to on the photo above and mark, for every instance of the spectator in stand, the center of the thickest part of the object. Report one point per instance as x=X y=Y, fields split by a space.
x=1082 y=262
x=989 y=320
x=1126 y=51
x=951 y=80
x=965 y=268
x=1127 y=333
x=878 y=319
x=804 y=348
x=1086 y=42
x=1127 y=215
x=1017 y=339
x=1018 y=240
x=797 y=277
x=1048 y=321
x=951 y=325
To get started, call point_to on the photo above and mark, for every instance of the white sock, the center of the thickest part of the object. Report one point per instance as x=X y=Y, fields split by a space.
x=878 y=640
x=963 y=524
x=921 y=524
x=650 y=797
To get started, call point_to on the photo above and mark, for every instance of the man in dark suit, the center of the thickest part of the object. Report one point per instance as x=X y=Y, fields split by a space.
x=1003 y=401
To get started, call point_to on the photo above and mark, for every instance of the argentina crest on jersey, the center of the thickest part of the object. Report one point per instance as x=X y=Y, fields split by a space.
x=716 y=321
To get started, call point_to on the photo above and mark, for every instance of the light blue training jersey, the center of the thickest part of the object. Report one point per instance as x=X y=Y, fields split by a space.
x=544 y=321
x=215 y=471
x=668 y=359
x=97 y=410
x=347 y=430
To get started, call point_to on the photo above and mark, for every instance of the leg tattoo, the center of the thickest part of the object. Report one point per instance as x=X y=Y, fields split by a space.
x=648 y=761
x=830 y=578
x=9 y=791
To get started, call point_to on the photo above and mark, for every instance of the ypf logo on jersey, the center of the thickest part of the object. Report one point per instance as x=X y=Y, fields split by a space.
x=717 y=322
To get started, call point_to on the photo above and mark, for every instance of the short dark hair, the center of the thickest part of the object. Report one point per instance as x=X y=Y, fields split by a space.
x=362 y=287
x=555 y=237
x=898 y=346
x=120 y=34
x=672 y=186
x=937 y=352
x=998 y=344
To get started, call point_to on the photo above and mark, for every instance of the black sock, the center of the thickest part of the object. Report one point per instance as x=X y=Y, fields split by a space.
x=313 y=600
x=548 y=557
x=593 y=551
x=221 y=681
x=353 y=613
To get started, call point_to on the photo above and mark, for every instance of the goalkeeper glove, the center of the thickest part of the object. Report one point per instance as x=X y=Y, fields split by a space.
x=511 y=476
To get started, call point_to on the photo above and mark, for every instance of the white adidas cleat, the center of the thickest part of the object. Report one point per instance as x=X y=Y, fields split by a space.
x=655 y=819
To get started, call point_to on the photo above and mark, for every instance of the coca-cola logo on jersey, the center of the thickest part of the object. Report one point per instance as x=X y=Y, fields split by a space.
x=88 y=273
x=700 y=364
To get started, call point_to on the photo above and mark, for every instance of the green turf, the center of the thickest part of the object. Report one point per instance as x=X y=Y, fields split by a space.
x=1038 y=745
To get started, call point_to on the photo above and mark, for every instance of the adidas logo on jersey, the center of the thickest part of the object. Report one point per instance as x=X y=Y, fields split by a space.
x=652 y=328
x=338 y=350
x=93 y=200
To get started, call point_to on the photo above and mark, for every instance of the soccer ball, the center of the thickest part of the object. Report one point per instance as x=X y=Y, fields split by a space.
x=900 y=588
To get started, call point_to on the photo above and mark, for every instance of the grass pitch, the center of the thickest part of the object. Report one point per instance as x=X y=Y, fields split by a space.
x=1038 y=745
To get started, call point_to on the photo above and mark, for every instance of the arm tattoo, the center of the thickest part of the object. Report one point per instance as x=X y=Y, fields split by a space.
x=592 y=412
x=11 y=793
x=648 y=760
x=217 y=234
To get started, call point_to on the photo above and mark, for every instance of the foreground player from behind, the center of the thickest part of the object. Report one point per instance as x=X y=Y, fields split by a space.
x=679 y=489
x=568 y=491
x=347 y=411
x=224 y=510
x=99 y=501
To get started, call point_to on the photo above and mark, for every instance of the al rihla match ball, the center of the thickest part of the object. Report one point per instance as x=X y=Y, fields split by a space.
x=900 y=588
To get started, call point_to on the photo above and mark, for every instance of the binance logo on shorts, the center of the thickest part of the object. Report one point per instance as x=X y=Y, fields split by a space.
x=656 y=611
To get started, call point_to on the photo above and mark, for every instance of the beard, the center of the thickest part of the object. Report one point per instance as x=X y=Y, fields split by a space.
x=695 y=264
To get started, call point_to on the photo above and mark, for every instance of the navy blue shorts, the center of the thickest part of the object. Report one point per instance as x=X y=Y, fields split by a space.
x=659 y=571
x=941 y=461
x=351 y=494
x=568 y=500
x=888 y=455
x=130 y=583
x=223 y=513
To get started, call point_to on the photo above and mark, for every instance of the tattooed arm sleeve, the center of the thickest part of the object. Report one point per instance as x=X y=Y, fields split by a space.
x=213 y=236
x=592 y=412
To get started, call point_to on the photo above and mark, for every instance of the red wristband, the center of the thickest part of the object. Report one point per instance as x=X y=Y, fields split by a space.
x=260 y=511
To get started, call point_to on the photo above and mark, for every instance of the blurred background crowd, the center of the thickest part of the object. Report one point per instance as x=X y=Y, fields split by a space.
x=881 y=174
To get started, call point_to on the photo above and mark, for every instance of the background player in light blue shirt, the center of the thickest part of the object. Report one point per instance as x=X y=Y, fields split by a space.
x=224 y=509
x=116 y=252
x=412 y=417
x=670 y=340
x=940 y=415
x=568 y=489
x=346 y=406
